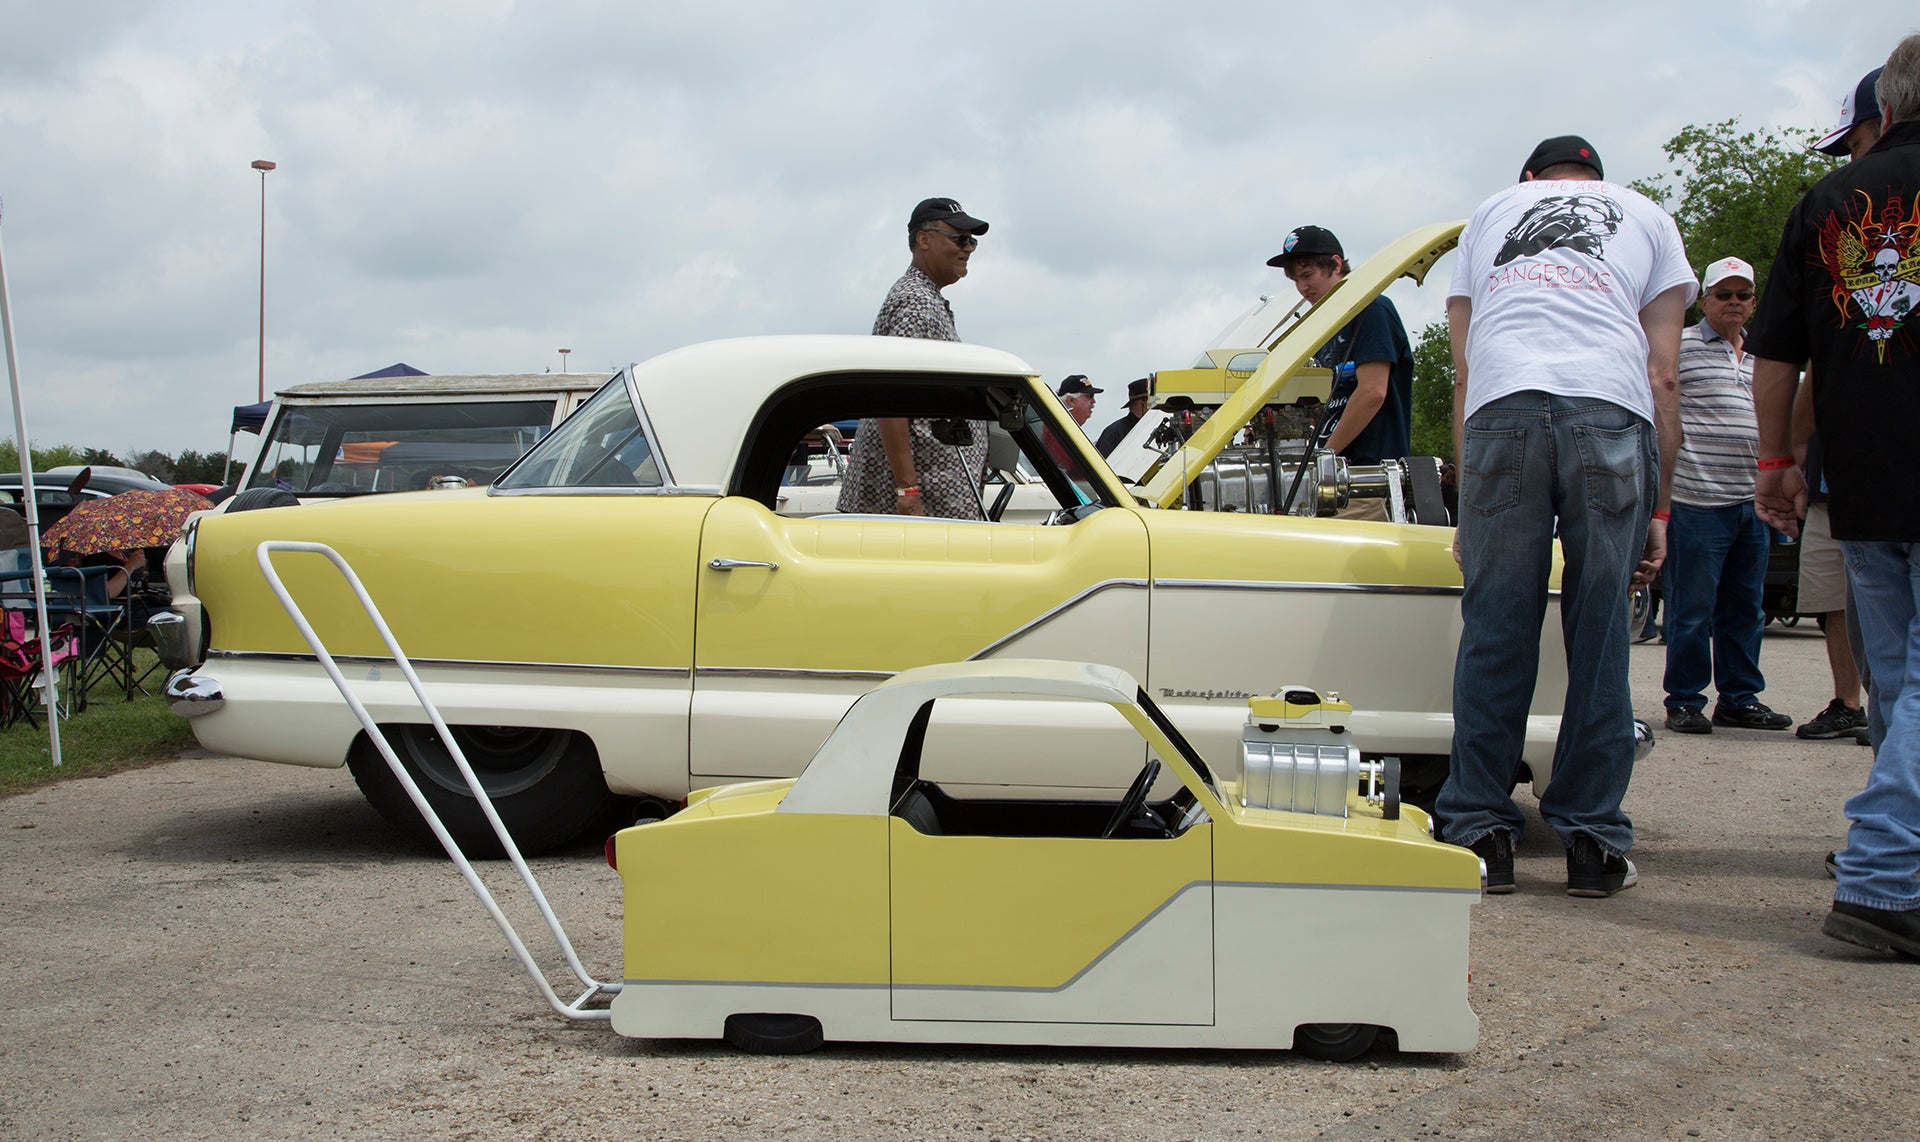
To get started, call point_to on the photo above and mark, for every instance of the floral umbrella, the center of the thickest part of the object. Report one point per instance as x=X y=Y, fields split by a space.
x=128 y=520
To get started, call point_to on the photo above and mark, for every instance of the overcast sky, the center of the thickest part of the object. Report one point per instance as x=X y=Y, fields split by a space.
x=469 y=186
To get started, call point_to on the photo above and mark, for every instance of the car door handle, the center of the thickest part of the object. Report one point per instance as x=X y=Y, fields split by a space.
x=731 y=564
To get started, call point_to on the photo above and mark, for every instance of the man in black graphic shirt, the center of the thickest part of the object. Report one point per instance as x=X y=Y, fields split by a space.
x=1842 y=296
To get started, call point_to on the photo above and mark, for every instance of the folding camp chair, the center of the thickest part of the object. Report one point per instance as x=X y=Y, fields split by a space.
x=78 y=596
x=20 y=665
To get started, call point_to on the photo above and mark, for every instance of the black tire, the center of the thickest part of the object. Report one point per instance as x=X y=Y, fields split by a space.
x=545 y=784
x=761 y=1033
x=1334 y=1042
x=253 y=499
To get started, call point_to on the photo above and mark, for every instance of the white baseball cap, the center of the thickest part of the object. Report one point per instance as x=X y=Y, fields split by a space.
x=1723 y=269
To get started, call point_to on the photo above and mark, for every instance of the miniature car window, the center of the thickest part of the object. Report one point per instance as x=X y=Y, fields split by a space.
x=1086 y=745
x=603 y=445
x=351 y=449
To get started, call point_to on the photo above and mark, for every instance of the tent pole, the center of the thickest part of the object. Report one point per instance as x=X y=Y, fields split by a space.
x=49 y=687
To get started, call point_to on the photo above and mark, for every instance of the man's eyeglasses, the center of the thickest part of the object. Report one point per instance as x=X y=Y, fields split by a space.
x=1730 y=294
x=964 y=241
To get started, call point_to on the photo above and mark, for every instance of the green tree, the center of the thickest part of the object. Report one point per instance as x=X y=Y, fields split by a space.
x=1433 y=393
x=48 y=456
x=1730 y=191
x=192 y=467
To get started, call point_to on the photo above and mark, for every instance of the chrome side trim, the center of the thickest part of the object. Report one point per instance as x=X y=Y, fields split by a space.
x=1054 y=612
x=377 y=660
x=712 y=492
x=191 y=697
x=790 y=672
x=1265 y=585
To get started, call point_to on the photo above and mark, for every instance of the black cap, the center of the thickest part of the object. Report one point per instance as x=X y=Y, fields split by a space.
x=1562 y=149
x=1137 y=389
x=1077 y=384
x=1861 y=105
x=1307 y=242
x=948 y=211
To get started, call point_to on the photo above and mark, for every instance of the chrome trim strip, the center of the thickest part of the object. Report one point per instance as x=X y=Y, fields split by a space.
x=1262 y=585
x=378 y=660
x=790 y=672
x=1054 y=612
x=712 y=492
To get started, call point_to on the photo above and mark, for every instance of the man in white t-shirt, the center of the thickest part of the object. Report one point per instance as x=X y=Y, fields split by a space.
x=1565 y=311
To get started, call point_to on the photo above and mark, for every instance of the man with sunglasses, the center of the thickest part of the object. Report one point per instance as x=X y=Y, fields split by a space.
x=918 y=466
x=1716 y=546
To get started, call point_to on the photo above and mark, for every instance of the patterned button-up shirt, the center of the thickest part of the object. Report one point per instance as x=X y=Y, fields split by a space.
x=949 y=475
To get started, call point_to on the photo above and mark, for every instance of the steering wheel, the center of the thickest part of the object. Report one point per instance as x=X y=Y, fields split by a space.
x=1134 y=801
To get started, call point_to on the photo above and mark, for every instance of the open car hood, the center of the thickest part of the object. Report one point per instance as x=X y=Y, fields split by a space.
x=1410 y=256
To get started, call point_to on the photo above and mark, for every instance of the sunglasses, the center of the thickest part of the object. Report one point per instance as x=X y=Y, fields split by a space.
x=964 y=241
x=1730 y=294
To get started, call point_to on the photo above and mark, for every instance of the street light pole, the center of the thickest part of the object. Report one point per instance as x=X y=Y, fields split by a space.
x=263 y=166
x=563 y=359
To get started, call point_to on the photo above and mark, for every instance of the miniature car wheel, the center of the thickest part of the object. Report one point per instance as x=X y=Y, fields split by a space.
x=1335 y=1042
x=760 y=1033
x=545 y=784
x=1134 y=801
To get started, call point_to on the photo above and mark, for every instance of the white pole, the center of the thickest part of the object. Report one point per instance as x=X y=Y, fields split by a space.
x=49 y=688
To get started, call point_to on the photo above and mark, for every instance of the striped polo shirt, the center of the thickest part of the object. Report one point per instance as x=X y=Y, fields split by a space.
x=1721 y=439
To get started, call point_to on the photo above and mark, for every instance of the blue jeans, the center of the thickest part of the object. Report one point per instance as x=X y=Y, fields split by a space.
x=1718 y=563
x=1880 y=867
x=1531 y=459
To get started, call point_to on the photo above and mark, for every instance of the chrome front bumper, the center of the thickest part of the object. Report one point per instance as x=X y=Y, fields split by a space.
x=191 y=696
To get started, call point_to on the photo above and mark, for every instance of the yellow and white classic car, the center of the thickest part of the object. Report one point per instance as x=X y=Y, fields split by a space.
x=862 y=902
x=635 y=609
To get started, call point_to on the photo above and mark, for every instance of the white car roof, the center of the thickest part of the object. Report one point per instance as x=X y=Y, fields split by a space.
x=700 y=399
x=853 y=770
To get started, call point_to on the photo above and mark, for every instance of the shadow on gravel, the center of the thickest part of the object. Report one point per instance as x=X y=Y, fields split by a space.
x=335 y=826
x=1383 y=1056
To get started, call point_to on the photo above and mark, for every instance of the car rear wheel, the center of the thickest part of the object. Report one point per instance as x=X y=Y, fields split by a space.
x=545 y=784
x=1335 y=1042
x=761 y=1033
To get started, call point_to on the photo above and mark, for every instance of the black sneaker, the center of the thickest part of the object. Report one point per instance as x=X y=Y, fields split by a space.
x=1688 y=720
x=1881 y=929
x=1837 y=720
x=1591 y=872
x=1833 y=867
x=1495 y=851
x=1861 y=737
x=1752 y=716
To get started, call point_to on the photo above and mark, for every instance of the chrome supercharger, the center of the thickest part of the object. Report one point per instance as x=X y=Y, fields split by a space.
x=1296 y=754
x=1272 y=471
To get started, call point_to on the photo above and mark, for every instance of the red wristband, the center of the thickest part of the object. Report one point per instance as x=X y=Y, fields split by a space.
x=1775 y=463
x=1663 y=516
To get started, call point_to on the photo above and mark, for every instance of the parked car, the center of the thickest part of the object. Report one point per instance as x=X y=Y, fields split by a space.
x=54 y=491
x=628 y=611
x=372 y=435
x=863 y=902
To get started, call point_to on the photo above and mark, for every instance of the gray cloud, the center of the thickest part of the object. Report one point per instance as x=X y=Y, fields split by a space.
x=469 y=187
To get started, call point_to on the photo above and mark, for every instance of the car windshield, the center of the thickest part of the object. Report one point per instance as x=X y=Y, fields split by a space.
x=603 y=445
x=353 y=449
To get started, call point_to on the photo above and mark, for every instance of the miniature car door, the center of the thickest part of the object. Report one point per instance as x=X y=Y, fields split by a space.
x=797 y=617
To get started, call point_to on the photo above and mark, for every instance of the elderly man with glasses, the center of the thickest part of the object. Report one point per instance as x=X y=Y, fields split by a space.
x=1716 y=546
x=918 y=466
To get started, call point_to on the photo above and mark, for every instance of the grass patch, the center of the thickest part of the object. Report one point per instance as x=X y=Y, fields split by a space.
x=110 y=735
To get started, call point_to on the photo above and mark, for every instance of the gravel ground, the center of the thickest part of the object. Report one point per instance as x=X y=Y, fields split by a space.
x=221 y=949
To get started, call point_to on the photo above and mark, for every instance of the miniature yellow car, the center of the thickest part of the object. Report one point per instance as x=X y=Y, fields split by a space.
x=861 y=902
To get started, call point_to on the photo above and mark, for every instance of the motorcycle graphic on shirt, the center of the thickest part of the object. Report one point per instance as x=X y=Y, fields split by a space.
x=1875 y=267
x=1581 y=222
